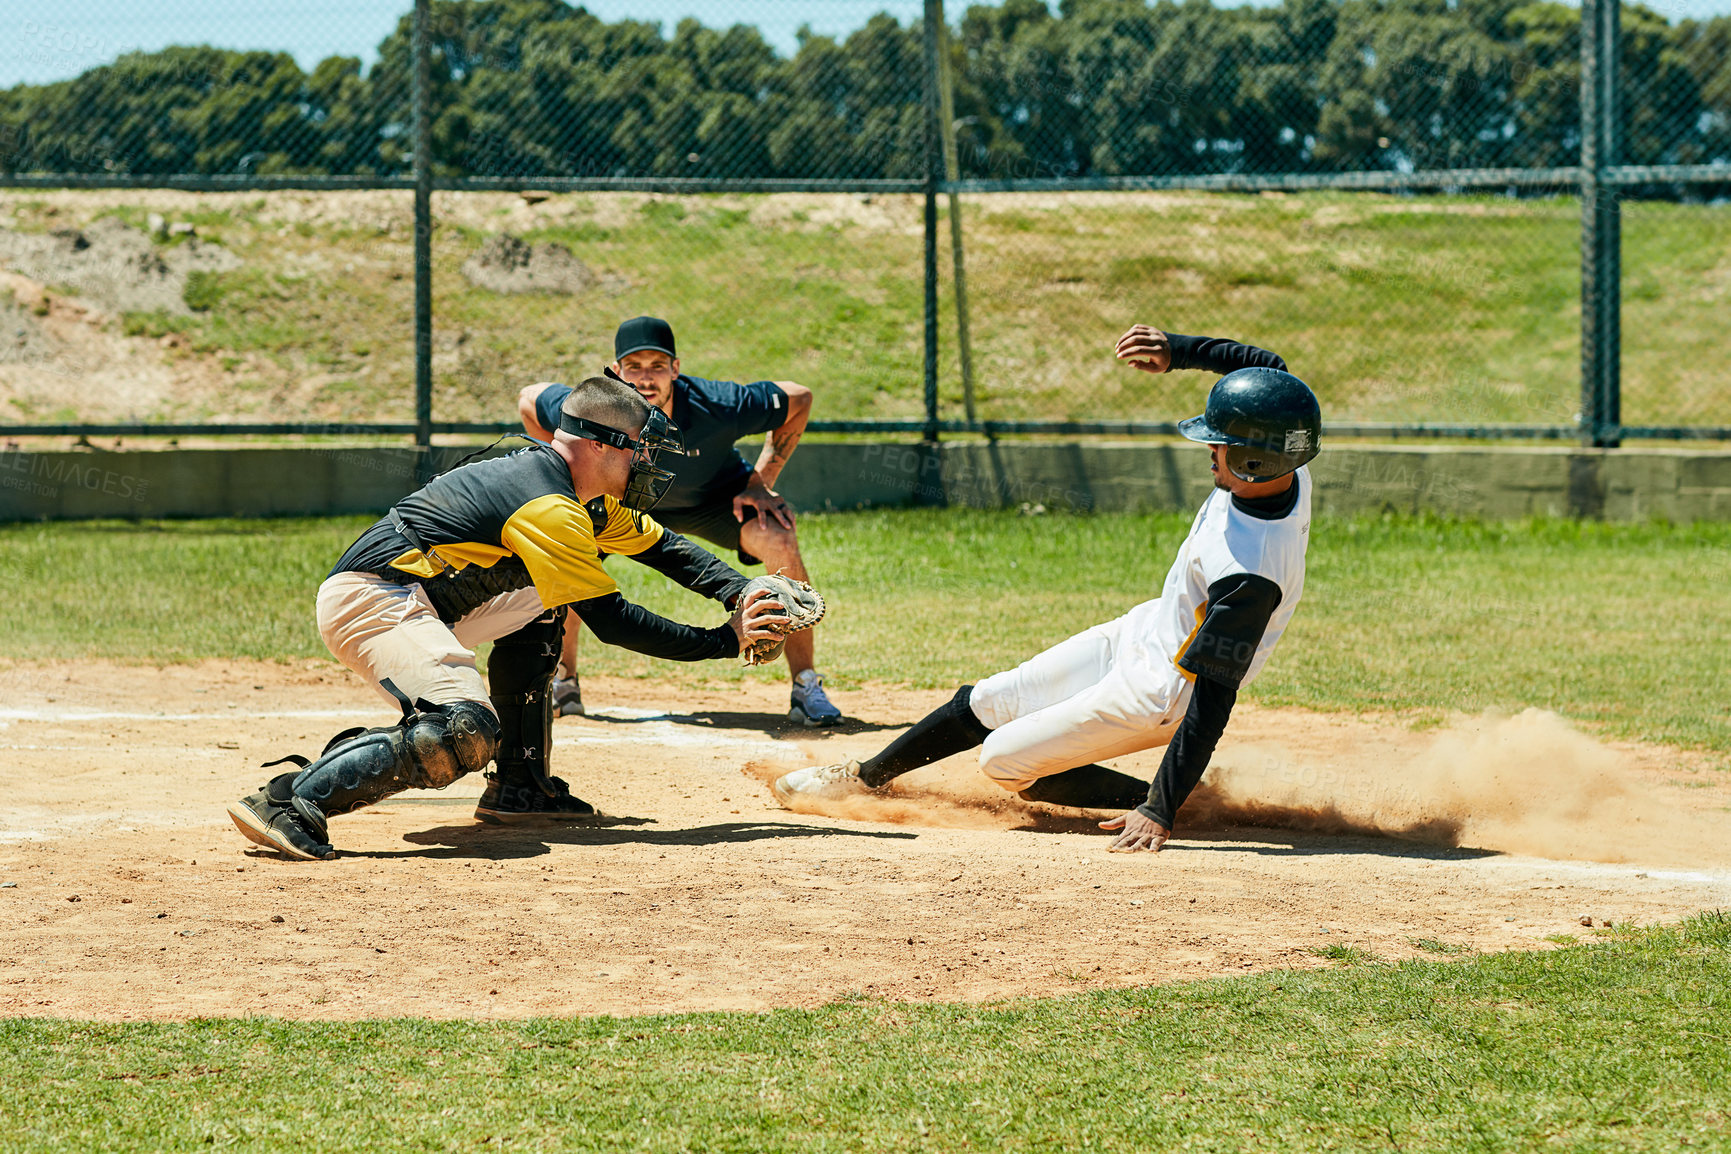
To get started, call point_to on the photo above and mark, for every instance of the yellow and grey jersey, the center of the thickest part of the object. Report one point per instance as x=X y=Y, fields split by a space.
x=501 y=524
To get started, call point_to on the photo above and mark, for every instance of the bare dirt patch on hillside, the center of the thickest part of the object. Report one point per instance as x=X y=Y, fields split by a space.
x=128 y=894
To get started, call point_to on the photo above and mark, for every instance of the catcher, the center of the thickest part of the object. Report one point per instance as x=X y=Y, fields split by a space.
x=1167 y=672
x=500 y=550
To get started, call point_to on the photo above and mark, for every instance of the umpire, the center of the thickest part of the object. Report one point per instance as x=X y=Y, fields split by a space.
x=715 y=495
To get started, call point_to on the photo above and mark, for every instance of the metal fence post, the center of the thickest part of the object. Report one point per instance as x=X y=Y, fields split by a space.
x=1601 y=225
x=934 y=169
x=952 y=173
x=423 y=129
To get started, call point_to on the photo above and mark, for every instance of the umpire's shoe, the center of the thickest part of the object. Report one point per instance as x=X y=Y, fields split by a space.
x=276 y=819
x=567 y=697
x=811 y=705
x=513 y=796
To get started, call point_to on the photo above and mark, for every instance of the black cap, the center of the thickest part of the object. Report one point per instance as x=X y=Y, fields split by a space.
x=641 y=333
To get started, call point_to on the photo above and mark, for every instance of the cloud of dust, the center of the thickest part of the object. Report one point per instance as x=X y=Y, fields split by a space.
x=1527 y=784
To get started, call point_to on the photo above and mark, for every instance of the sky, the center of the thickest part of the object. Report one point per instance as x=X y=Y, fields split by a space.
x=41 y=42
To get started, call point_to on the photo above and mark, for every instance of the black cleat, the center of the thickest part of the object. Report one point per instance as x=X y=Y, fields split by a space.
x=515 y=798
x=276 y=819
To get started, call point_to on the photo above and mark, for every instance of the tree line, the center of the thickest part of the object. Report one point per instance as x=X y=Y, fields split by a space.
x=1095 y=88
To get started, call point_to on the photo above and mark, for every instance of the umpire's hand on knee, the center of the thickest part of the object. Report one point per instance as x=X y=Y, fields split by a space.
x=1140 y=832
x=769 y=505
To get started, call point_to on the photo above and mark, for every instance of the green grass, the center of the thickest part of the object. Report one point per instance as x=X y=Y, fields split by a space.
x=1341 y=952
x=1620 y=627
x=1617 y=1045
x=1394 y=307
x=165 y=591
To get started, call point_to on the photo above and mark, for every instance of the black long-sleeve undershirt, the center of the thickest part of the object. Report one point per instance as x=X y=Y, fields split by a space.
x=1218 y=355
x=687 y=563
x=616 y=621
x=1190 y=750
x=1219 y=655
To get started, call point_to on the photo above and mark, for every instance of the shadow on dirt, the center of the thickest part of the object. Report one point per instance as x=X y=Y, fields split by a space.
x=497 y=843
x=774 y=724
x=1210 y=809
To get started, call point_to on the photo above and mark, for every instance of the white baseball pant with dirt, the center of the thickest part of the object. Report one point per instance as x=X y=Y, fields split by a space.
x=384 y=630
x=1084 y=700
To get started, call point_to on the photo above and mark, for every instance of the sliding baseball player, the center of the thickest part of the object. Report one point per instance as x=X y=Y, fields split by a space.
x=1168 y=672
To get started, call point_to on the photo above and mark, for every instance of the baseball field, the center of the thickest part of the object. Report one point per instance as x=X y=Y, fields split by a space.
x=1451 y=882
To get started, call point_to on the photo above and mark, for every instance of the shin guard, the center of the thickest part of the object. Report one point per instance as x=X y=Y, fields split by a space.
x=520 y=684
x=430 y=748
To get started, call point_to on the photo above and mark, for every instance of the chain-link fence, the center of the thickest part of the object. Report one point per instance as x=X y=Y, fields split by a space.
x=1391 y=195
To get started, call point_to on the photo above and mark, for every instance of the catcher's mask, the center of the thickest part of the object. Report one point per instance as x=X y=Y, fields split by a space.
x=1268 y=419
x=648 y=482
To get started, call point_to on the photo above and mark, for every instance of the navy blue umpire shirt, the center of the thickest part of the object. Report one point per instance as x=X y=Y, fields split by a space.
x=711 y=416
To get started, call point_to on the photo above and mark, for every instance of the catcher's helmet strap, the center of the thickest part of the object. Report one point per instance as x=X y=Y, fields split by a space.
x=648 y=482
x=592 y=431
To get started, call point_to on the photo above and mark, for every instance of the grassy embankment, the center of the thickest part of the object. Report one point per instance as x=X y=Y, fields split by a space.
x=1621 y=627
x=1395 y=308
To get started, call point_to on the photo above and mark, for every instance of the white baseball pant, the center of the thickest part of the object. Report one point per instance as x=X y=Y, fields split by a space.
x=383 y=630
x=1083 y=700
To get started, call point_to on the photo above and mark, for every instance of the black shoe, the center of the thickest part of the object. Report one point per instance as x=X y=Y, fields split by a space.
x=276 y=819
x=512 y=797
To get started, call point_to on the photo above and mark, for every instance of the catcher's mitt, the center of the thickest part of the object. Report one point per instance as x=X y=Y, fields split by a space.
x=802 y=604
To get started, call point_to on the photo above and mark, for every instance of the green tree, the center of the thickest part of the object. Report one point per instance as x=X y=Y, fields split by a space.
x=1092 y=87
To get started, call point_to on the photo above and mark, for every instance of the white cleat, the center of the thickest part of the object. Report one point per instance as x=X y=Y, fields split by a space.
x=820 y=783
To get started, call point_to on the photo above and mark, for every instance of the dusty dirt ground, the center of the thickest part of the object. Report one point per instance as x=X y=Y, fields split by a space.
x=125 y=892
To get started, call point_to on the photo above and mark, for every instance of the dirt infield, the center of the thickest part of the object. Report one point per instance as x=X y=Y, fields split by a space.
x=125 y=892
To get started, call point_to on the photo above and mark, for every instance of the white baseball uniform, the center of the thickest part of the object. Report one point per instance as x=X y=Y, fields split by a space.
x=1125 y=685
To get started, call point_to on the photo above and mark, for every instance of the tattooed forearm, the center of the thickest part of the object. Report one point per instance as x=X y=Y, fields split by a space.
x=778 y=446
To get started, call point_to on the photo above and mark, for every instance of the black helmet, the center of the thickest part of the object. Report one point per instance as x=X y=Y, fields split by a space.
x=1269 y=418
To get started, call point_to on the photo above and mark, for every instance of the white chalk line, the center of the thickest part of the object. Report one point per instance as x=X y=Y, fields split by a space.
x=1619 y=870
x=651 y=727
x=647 y=727
x=47 y=826
x=8 y=715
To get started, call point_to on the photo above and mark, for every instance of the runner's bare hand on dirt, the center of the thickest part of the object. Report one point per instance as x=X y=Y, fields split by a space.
x=758 y=618
x=1141 y=833
x=1146 y=348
